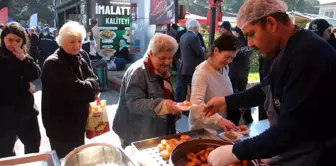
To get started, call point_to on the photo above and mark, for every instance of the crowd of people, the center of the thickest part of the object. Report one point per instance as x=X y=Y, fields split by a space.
x=296 y=91
x=68 y=86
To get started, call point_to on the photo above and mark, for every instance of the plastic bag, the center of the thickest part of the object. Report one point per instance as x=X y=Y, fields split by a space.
x=97 y=123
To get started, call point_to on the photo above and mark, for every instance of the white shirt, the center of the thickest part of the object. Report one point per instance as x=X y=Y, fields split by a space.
x=207 y=83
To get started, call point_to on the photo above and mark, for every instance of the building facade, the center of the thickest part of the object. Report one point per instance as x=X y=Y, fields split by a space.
x=328 y=10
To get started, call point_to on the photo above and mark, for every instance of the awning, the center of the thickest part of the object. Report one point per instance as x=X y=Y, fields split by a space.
x=200 y=19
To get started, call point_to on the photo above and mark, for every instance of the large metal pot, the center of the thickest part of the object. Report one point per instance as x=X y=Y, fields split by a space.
x=178 y=155
x=97 y=154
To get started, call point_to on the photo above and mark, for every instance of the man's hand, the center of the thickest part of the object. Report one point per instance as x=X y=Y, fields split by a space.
x=227 y=125
x=222 y=156
x=215 y=105
x=31 y=88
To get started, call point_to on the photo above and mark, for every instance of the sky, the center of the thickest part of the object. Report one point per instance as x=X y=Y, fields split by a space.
x=327 y=1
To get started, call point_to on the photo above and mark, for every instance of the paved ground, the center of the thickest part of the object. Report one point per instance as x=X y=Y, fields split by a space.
x=110 y=95
x=112 y=100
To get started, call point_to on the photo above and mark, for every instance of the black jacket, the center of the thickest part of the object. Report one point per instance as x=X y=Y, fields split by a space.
x=201 y=39
x=47 y=46
x=192 y=53
x=123 y=53
x=33 y=46
x=264 y=67
x=16 y=102
x=332 y=41
x=304 y=92
x=68 y=86
x=178 y=37
x=240 y=66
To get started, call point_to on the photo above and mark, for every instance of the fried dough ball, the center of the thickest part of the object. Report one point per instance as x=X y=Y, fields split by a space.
x=196 y=161
x=210 y=149
x=190 y=164
x=186 y=103
x=161 y=147
x=206 y=155
x=191 y=156
x=230 y=135
x=203 y=159
x=185 y=137
x=173 y=141
x=164 y=142
x=165 y=154
x=200 y=153
x=243 y=128
x=205 y=165
x=170 y=147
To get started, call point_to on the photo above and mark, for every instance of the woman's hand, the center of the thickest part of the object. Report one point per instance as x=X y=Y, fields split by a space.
x=171 y=107
x=31 y=88
x=227 y=125
x=19 y=53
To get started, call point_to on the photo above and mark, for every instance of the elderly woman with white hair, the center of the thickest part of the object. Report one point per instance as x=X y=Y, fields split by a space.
x=68 y=86
x=146 y=105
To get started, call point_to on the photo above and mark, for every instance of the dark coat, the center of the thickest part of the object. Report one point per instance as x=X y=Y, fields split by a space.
x=123 y=53
x=68 y=86
x=201 y=39
x=240 y=66
x=46 y=46
x=33 y=46
x=303 y=88
x=17 y=103
x=332 y=41
x=192 y=53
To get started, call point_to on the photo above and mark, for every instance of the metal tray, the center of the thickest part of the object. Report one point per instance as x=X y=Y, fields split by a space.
x=47 y=158
x=148 y=155
x=126 y=159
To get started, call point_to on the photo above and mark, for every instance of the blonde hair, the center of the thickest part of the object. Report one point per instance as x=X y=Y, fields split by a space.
x=162 y=43
x=32 y=28
x=71 y=28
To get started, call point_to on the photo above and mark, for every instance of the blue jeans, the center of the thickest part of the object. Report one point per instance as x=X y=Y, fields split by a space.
x=120 y=63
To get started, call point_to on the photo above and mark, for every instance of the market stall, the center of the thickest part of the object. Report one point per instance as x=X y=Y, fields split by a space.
x=200 y=19
x=177 y=149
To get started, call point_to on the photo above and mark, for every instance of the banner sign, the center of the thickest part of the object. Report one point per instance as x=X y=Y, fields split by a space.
x=162 y=12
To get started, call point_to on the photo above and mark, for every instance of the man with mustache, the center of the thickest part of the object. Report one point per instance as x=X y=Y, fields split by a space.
x=299 y=91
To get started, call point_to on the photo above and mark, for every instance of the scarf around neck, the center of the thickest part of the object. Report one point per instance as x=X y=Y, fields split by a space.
x=168 y=93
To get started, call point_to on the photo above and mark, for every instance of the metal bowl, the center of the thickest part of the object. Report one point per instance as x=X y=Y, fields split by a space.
x=178 y=155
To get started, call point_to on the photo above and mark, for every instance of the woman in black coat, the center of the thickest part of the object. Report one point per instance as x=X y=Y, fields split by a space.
x=17 y=71
x=68 y=86
x=121 y=57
